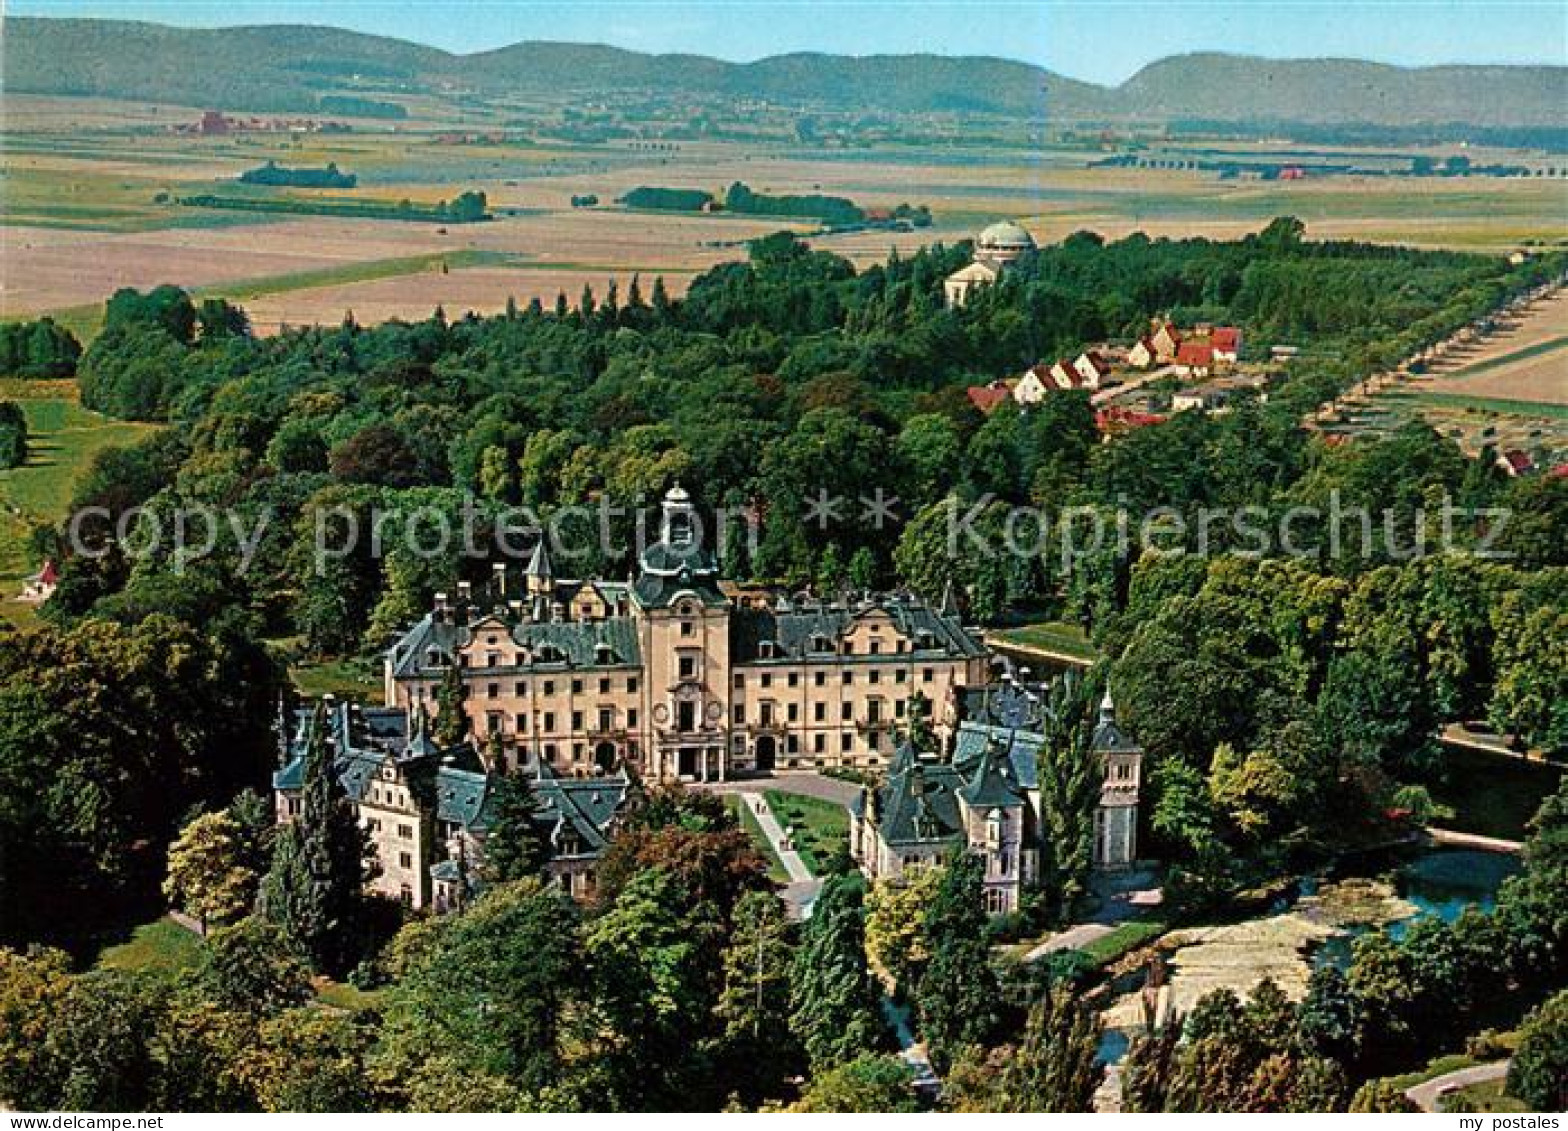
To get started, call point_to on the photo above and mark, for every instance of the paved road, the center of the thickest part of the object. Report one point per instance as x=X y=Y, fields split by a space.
x=1122 y=897
x=793 y=864
x=1425 y=1096
x=819 y=786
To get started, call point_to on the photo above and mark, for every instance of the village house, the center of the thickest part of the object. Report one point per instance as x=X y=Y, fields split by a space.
x=987 y=398
x=984 y=796
x=1513 y=462
x=1194 y=359
x=1092 y=368
x=667 y=675
x=996 y=249
x=1065 y=376
x=1207 y=397
x=1165 y=340
x=1142 y=354
x=1034 y=385
x=1226 y=342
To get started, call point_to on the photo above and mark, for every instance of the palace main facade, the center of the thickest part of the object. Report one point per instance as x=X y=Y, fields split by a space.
x=676 y=676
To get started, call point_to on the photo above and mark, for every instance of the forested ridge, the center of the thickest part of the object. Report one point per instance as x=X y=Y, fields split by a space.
x=1288 y=704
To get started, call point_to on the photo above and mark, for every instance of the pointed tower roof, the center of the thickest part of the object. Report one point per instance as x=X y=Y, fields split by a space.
x=949 y=606
x=1108 y=736
x=539 y=563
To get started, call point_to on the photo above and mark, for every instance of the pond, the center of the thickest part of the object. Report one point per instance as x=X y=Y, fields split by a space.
x=1438 y=881
x=1319 y=924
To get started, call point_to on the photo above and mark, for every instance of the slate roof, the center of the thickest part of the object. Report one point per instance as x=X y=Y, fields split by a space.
x=919 y=803
x=363 y=740
x=1108 y=735
x=463 y=797
x=1021 y=747
x=793 y=632
x=607 y=642
x=588 y=807
x=922 y=801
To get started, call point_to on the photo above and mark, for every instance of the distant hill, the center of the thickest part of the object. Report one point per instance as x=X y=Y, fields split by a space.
x=286 y=68
x=1237 y=88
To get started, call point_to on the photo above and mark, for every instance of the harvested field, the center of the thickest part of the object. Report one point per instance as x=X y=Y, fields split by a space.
x=91 y=185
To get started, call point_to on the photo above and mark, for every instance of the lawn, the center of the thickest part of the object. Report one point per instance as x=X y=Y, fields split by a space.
x=64 y=437
x=1500 y=405
x=1056 y=637
x=820 y=828
x=341 y=995
x=351 y=678
x=1124 y=939
x=748 y=821
x=162 y=945
x=1489 y=1096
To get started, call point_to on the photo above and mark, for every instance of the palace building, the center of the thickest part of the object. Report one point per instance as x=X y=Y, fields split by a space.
x=677 y=675
x=426 y=809
x=984 y=796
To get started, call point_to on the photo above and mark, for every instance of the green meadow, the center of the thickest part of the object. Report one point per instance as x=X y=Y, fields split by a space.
x=63 y=439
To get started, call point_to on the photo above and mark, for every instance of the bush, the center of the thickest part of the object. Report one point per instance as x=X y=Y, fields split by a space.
x=13 y=435
x=1539 y=1073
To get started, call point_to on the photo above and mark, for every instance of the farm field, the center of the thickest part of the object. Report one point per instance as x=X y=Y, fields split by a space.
x=1507 y=389
x=91 y=194
x=1526 y=362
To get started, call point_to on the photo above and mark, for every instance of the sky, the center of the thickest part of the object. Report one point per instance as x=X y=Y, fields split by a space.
x=1102 y=41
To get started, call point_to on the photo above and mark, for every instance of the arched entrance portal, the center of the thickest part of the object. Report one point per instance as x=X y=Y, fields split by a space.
x=766 y=753
x=605 y=756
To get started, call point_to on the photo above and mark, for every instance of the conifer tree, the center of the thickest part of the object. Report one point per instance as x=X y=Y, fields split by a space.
x=515 y=847
x=1055 y=1067
x=315 y=890
x=451 y=719
x=959 y=995
x=835 y=1007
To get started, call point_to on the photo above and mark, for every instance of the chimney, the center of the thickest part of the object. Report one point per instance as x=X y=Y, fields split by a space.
x=443 y=609
x=498 y=578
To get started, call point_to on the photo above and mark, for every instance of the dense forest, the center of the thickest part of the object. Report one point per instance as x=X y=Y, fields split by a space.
x=1287 y=702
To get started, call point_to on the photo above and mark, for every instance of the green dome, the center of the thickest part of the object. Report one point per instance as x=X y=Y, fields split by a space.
x=1006 y=236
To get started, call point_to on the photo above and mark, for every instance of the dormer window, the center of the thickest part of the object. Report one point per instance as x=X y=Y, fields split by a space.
x=820 y=643
x=768 y=649
x=549 y=654
x=435 y=658
x=603 y=654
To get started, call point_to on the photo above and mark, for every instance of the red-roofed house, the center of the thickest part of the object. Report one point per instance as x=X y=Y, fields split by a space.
x=1166 y=340
x=1141 y=356
x=1115 y=419
x=41 y=586
x=1093 y=368
x=1226 y=341
x=1195 y=359
x=1065 y=376
x=1515 y=462
x=987 y=397
x=1034 y=386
